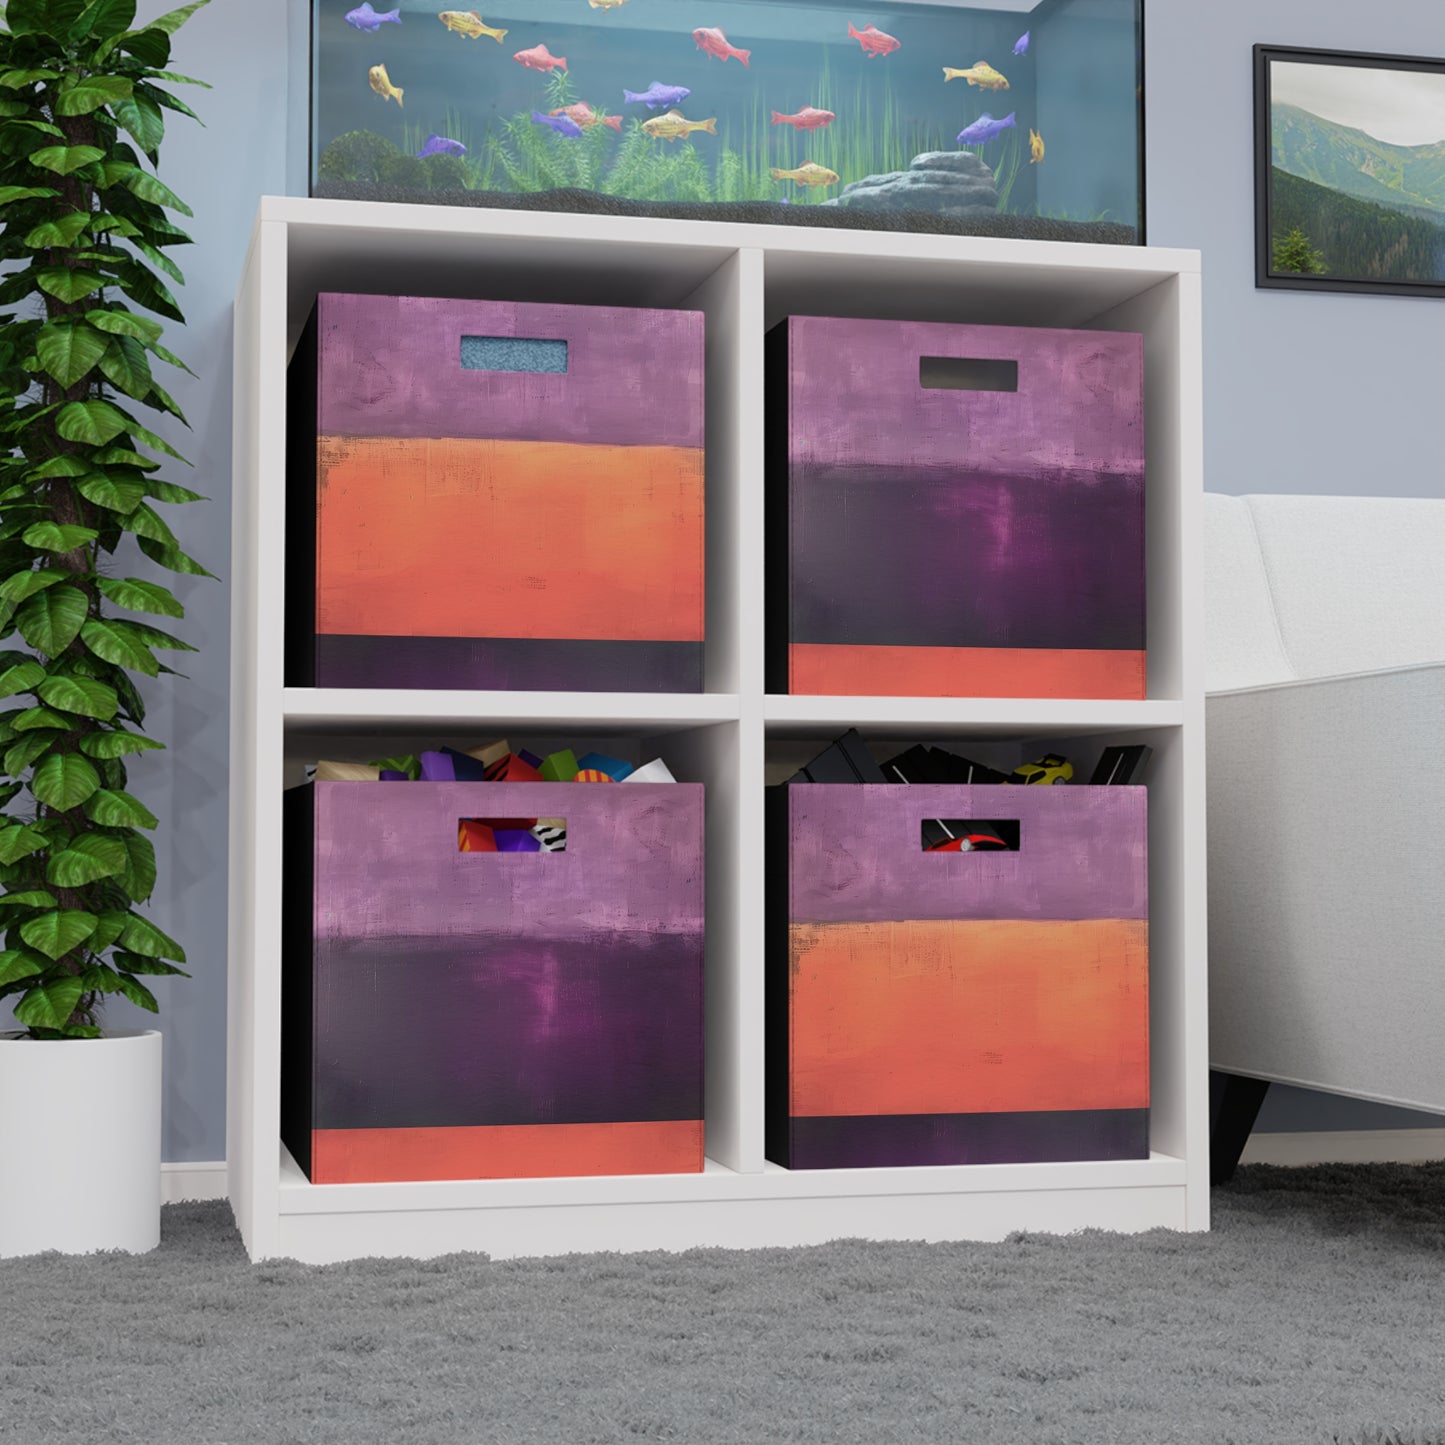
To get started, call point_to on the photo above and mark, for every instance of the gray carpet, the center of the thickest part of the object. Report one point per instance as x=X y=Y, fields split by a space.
x=1314 y=1312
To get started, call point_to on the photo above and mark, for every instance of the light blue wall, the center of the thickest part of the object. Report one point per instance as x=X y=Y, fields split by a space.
x=1304 y=393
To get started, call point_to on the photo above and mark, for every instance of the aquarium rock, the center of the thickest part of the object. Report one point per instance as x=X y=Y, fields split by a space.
x=942 y=183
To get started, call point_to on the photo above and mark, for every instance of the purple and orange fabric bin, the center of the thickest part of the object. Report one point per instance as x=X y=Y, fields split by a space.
x=451 y=1014
x=931 y=1008
x=956 y=511
x=495 y=495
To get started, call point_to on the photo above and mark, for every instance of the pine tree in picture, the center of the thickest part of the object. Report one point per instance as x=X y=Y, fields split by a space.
x=1294 y=254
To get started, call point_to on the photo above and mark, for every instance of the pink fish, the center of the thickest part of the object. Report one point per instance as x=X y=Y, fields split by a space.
x=539 y=58
x=873 y=40
x=809 y=118
x=716 y=43
x=582 y=114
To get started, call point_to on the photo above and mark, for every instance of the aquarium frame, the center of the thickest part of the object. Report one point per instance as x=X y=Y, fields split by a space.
x=1264 y=277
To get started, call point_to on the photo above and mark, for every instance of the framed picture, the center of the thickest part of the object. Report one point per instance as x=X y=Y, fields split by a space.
x=1349 y=171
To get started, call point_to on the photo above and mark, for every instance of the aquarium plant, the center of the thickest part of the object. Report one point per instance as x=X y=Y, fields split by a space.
x=85 y=245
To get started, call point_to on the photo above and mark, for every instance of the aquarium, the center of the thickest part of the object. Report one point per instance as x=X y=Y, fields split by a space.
x=1014 y=119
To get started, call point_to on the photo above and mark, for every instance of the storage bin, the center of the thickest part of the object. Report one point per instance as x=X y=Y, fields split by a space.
x=956 y=1007
x=495 y=495
x=957 y=511
x=469 y=1015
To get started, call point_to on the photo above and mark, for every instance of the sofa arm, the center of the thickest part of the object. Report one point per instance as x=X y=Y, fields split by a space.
x=1326 y=808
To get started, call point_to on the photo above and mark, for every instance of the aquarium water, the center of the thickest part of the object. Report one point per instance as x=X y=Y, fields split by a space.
x=1016 y=119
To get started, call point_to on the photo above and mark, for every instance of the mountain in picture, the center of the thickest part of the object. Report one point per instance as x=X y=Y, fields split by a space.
x=1408 y=178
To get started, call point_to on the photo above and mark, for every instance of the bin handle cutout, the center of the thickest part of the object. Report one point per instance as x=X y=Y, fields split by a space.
x=511 y=835
x=967 y=373
x=970 y=835
x=514 y=353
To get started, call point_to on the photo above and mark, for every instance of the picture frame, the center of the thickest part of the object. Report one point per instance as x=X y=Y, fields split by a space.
x=1347 y=195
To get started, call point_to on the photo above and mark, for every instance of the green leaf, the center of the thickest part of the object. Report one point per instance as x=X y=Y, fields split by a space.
x=154 y=637
x=150 y=46
x=144 y=522
x=112 y=923
x=81 y=695
x=117 y=743
x=170 y=358
x=125 y=366
x=142 y=936
x=174 y=19
x=146 y=187
x=43 y=17
x=21 y=585
x=53 y=537
x=66 y=466
x=51 y=620
x=135 y=963
x=123 y=457
x=110 y=641
x=55 y=934
x=18 y=963
x=23 y=79
x=69 y=352
x=141 y=117
x=9 y=194
x=139 y=596
x=31 y=898
x=170 y=492
x=34 y=718
x=19 y=842
x=115 y=496
x=113 y=809
x=21 y=678
x=107 y=19
x=140 y=879
x=60 y=232
x=31 y=746
x=50 y=1007
x=64 y=160
x=92 y=422
x=160 y=260
x=150 y=439
x=91 y=856
x=125 y=323
x=66 y=284
x=91 y=93
x=173 y=558
x=65 y=781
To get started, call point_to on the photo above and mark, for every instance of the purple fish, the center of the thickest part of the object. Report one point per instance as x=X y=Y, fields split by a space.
x=367 y=19
x=984 y=129
x=562 y=124
x=439 y=145
x=657 y=96
x=1021 y=45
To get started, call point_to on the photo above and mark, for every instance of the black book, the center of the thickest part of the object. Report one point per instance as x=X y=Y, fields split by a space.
x=1122 y=766
x=845 y=761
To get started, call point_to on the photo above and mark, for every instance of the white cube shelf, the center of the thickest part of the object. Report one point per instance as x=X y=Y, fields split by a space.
x=745 y=278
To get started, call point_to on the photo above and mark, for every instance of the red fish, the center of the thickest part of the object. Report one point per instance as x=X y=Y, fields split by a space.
x=809 y=118
x=583 y=115
x=873 y=40
x=538 y=58
x=716 y=43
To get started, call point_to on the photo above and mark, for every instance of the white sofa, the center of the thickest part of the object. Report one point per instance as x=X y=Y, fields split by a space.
x=1325 y=675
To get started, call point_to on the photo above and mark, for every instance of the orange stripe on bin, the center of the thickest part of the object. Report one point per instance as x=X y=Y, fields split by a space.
x=838 y=670
x=462 y=538
x=961 y=1017
x=505 y=1151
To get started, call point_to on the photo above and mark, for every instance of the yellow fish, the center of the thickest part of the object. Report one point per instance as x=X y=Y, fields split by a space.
x=606 y=4
x=469 y=24
x=674 y=125
x=381 y=84
x=1036 y=147
x=808 y=174
x=980 y=73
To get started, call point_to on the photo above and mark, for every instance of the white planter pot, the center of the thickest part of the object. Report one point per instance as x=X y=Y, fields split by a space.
x=80 y=1143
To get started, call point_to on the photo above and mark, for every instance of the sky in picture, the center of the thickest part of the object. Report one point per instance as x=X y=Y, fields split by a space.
x=1399 y=107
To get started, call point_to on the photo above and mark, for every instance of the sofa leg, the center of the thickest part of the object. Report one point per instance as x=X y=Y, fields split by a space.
x=1238 y=1109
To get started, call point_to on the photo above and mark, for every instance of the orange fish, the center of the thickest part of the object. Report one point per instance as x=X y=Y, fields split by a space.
x=714 y=42
x=873 y=40
x=583 y=115
x=539 y=58
x=809 y=118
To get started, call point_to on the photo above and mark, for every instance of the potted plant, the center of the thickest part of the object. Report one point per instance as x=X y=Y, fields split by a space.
x=85 y=244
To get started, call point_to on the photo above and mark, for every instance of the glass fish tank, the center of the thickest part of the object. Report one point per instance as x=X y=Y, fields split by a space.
x=1012 y=119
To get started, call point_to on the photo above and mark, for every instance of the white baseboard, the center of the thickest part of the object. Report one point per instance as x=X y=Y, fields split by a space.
x=1347 y=1146
x=186 y=1182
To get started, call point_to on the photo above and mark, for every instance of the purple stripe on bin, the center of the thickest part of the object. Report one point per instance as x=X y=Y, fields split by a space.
x=391 y=366
x=894 y=556
x=387 y=862
x=857 y=853
x=505 y=1029
x=878 y=1141
x=856 y=399
x=508 y=663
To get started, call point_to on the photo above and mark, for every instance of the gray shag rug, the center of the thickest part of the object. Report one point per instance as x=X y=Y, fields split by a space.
x=1313 y=1312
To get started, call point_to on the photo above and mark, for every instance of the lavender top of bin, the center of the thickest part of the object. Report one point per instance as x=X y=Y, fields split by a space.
x=856 y=398
x=391 y=366
x=857 y=853
x=388 y=864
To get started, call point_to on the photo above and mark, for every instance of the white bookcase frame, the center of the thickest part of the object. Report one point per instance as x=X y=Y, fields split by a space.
x=732 y=737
